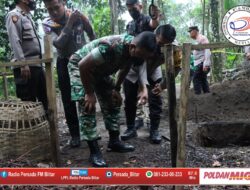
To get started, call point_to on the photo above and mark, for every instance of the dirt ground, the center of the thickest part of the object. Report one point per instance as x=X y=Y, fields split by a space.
x=227 y=101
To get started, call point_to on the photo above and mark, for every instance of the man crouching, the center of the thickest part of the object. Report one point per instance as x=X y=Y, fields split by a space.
x=91 y=69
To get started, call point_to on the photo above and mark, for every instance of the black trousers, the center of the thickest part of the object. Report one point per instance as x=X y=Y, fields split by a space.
x=32 y=89
x=200 y=80
x=131 y=93
x=69 y=105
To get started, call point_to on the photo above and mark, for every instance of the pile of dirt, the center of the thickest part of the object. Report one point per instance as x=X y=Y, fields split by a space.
x=228 y=101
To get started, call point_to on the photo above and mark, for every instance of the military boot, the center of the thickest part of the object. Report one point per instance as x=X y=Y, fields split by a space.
x=155 y=136
x=75 y=142
x=95 y=154
x=116 y=145
x=129 y=133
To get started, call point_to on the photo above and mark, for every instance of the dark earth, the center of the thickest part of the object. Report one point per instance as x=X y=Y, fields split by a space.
x=229 y=101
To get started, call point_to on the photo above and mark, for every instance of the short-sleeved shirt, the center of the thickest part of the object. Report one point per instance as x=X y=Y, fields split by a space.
x=202 y=56
x=140 y=25
x=110 y=54
x=70 y=39
x=23 y=37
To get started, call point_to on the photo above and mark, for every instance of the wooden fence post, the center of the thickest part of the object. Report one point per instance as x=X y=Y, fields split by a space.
x=181 y=151
x=51 y=94
x=5 y=84
x=170 y=73
x=183 y=104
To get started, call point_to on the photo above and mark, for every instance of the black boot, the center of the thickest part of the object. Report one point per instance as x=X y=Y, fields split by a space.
x=155 y=136
x=129 y=133
x=75 y=142
x=95 y=154
x=75 y=136
x=116 y=145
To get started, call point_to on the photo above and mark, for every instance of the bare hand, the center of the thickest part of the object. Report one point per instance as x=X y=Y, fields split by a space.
x=90 y=101
x=143 y=97
x=206 y=69
x=116 y=98
x=157 y=89
x=73 y=18
x=248 y=56
x=25 y=72
x=155 y=12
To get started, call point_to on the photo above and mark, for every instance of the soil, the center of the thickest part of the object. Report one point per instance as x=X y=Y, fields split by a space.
x=227 y=101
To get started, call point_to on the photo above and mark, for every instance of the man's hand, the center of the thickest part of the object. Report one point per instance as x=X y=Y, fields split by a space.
x=73 y=18
x=206 y=69
x=143 y=97
x=116 y=98
x=156 y=11
x=157 y=89
x=25 y=72
x=248 y=56
x=90 y=101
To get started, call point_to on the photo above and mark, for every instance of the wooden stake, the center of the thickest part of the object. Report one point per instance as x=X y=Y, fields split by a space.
x=170 y=73
x=186 y=52
x=5 y=84
x=51 y=94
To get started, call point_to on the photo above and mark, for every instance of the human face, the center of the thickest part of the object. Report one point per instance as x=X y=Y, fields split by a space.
x=31 y=4
x=140 y=52
x=161 y=41
x=193 y=34
x=134 y=10
x=56 y=9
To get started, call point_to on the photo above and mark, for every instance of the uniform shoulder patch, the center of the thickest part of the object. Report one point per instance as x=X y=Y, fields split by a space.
x=14 y=18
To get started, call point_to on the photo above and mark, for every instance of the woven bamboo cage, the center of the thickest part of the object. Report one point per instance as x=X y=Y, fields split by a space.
x=24 y=130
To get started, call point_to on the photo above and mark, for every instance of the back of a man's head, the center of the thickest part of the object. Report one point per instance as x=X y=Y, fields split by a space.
x=17 y=1
x=167 y=32
x=48 y=1
x=146 y=40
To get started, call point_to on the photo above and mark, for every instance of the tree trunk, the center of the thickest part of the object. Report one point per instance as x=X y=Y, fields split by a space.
x=207 y=21
x=217 y=58
x=145 y=7
x=203 y=16
x=114 y=16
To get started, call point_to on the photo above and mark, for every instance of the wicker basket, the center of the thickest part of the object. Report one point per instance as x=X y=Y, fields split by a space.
x=24 y=131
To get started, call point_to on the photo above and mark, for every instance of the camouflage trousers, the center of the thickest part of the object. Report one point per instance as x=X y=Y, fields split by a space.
x=111 y=115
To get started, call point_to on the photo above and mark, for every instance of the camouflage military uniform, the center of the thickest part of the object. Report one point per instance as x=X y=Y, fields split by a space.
x=108 y=53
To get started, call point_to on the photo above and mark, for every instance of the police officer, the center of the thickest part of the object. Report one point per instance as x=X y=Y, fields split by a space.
x=202 y=61
x=90 y=70
x=67 y=29
x=25 y=45
x=136 y=80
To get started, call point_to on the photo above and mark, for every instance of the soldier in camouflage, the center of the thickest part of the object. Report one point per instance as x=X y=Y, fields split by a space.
x=90 y=71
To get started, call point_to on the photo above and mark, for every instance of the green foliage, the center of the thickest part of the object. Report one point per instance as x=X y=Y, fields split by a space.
x=11 y=87
x=185 y=15
x=100 y=17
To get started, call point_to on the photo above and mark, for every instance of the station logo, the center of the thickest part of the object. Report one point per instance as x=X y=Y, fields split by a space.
x=236 y=25
x=109 y=174
x=4 y=174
